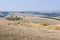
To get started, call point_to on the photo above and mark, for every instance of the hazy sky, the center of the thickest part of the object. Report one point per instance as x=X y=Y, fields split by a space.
x=30 y=5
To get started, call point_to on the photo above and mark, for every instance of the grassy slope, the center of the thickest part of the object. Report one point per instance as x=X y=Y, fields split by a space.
x=28 y=33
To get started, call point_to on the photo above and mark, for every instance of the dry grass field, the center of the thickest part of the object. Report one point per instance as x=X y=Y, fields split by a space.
x=31 y=27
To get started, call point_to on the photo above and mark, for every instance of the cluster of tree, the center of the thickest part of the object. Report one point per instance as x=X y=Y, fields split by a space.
x=14 y=18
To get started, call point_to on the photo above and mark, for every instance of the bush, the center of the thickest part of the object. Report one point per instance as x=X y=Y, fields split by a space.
x=14 y=19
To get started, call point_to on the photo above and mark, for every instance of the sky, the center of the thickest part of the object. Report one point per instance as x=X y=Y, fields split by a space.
x=29 y=5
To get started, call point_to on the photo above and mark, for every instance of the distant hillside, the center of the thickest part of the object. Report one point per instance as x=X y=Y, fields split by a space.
x=3 y=14
x=48 y=14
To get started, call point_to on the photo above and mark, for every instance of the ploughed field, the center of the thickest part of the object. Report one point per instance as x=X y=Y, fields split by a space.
x=29 y=27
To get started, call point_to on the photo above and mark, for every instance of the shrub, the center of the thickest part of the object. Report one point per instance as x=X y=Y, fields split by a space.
x=14 y=19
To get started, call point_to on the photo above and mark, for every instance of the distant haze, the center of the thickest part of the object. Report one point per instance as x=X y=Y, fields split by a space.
x=29 y=5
